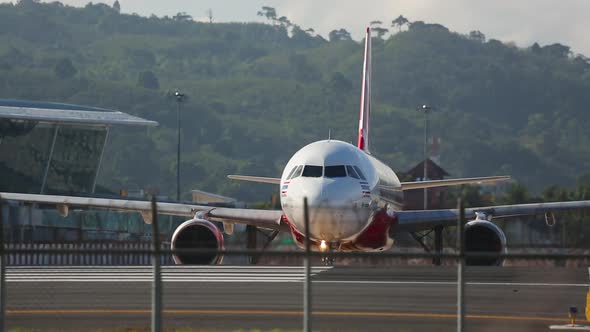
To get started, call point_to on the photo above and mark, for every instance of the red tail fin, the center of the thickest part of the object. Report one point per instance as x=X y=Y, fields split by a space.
x=365 y=113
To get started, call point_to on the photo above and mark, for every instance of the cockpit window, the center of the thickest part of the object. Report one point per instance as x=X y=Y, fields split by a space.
x=352 y=172
x=335 y=171
x=292 y=172
x=312 y=171
x=297 y=172
x=358 y=171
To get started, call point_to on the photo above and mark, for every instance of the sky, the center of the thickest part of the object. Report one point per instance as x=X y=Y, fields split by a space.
x=520 y=21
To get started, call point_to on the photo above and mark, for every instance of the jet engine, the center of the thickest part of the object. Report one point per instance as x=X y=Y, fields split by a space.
x=197 y=234
x=484 y=237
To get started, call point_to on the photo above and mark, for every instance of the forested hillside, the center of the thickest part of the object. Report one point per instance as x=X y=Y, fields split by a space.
x=257 y=92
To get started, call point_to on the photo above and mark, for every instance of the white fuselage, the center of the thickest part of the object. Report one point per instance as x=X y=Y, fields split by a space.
x=344 y=187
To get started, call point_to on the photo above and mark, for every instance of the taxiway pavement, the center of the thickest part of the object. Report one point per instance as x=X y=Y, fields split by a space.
x=266 y=297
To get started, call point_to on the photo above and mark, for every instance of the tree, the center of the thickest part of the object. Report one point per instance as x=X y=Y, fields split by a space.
x=27 y=2
x=380 y=31
x=117 y=6
x=535 y=48
x=556 y=50
x=399 y=22
x=477 y=36
x=268 y=12
x=337 y=35
x=516 y=194
x=555 y=193
x=376 y=26
x=582 y=61
x=284 y=21
x=64 y=68
x=182 y=16
x=339 y=83
x=147 y=79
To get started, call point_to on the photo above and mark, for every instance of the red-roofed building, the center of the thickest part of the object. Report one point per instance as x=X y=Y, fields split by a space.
x=414 y=199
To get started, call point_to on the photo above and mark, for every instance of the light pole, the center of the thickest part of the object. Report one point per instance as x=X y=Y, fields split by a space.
x=179 y=99
x=426 y=109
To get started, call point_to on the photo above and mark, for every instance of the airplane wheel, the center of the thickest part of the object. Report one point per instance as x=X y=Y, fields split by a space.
x=328 y=260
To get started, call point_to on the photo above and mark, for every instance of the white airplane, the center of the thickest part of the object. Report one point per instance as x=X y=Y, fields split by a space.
x=355 y=202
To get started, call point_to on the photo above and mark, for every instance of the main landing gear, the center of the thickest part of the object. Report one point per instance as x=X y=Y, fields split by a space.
x=438 y=242
x=252 y=241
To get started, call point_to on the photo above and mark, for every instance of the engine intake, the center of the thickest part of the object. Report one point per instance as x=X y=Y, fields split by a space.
x=197 y=234
x=484 y=237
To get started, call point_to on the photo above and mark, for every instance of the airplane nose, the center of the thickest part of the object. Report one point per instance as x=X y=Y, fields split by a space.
x=332 y=211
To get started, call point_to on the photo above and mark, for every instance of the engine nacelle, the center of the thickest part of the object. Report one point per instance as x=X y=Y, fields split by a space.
x=485 y=237
x=197 y=234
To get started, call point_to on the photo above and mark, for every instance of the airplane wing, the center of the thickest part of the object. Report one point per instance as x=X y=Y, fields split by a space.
x=259 y=179
x=425 y=219
x=453 y=182
x=269 y=219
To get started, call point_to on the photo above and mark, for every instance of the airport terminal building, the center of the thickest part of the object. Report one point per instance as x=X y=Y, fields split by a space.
x=53 y=148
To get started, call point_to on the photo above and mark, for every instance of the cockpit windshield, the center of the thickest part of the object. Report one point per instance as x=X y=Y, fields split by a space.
x=335 y=171
x=351 y=172
x=312 y=171
x=360 y=173
x=295 y=172
x=290 y=176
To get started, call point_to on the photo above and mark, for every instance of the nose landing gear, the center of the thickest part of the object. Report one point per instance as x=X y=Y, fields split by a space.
x=328 y=260
x=327 y=248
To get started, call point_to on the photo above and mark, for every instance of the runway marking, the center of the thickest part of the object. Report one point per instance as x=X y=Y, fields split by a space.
x=290 y=280
x=221 y=274
x=280 y=313
x=477 y=283
x=168 y=267
x=172 y=274
x=263 y=278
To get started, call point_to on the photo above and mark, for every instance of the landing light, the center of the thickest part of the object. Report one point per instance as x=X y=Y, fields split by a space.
x=323 y=245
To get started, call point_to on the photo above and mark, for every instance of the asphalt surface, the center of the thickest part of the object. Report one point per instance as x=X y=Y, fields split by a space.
x=227 y=298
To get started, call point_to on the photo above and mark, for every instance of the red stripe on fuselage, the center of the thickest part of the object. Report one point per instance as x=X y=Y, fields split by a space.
x=376 y=235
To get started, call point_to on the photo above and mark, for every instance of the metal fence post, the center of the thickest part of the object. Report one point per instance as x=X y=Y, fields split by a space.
x=157 y=281
x=307 y=265
x=588 y=300
x=2 y=273
x=460 y=266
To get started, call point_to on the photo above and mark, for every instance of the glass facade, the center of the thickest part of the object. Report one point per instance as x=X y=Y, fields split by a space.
x=75 y=160
x=26 y=147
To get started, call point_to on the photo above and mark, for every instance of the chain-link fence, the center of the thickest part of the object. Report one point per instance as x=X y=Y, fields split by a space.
x=101 y=286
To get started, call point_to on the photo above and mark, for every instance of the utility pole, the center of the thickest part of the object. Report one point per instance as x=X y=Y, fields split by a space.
x=179 y=99
x=426 y=109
